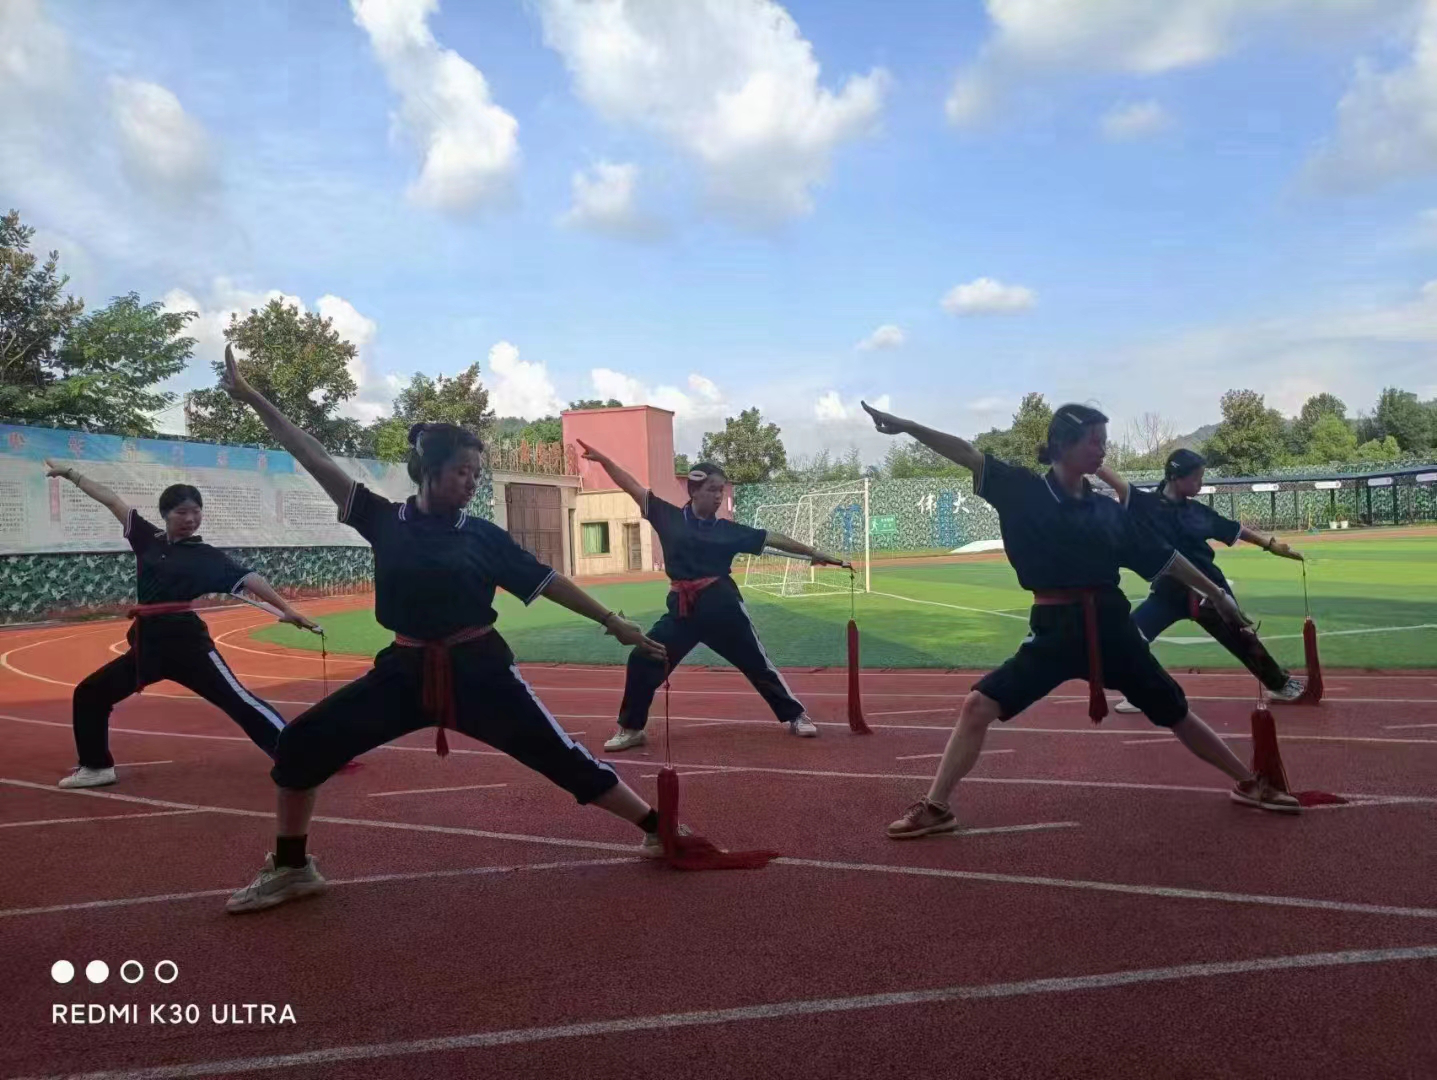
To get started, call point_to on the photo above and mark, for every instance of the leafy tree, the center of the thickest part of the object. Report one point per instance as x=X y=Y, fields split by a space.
x=297 y=361
x=1018 y=445
x=596 y=403
x=34 y=317
x=1379 y=450
x=906 y=459
x=1251 y=438
x=1331 y=441
x=1315 y=408
x=682 y=465
x=822 y=467
x=1400 y=415
x=748 y=450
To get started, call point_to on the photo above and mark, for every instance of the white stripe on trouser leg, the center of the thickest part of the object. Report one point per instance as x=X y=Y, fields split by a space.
x=773 y=670
x=249 y=699
x=558 y=729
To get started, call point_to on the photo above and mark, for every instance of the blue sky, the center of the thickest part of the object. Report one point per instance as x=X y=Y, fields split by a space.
x=1136 y=203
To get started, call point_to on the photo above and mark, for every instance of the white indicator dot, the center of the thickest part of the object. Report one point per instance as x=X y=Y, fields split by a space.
x=62 y=971
x=97 y=971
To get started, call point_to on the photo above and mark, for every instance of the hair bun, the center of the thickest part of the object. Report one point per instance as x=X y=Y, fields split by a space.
x=416 y=430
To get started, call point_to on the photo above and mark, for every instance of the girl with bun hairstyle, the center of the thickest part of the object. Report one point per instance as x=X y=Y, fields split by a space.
x=1067 y=545
x=436 y=569
x=704 y=604
x=1179 y=519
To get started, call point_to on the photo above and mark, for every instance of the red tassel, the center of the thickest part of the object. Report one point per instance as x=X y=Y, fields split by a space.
x=695 y=852
x=1312 y=694
x=441 y=744
x=1267 y=761
x=856 y=722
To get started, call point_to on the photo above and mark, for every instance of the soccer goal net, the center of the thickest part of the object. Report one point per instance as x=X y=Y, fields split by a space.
x=834 y=522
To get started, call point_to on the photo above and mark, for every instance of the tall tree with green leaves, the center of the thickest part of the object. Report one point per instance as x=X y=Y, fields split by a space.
x=1018 y=445
x=1378 y=450
x=682 y=465
x=1400 y=415
x=1314 y=409
x=297 y=361
x=1251 y=438
x=906 y=459
x=748 y=450
x=110 y=362
x=446 y=399
x=35 y=314
x=1331 y=441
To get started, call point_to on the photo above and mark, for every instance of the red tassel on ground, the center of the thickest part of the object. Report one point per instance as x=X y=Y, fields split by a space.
x=856 y=722
x=1267 y=761
x=695 y=852
x=441 y=744
x=1313 y=692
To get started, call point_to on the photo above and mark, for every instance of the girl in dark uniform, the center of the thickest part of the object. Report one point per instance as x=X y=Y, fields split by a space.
x=1066 y=544
x=173 y=567
x=435 y=572
x=704 y=604
x=1180 y=520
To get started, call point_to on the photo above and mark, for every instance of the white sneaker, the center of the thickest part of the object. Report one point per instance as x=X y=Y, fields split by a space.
x=626 y=739
x=653 y=846
x=1293 y=690
x=803 y=727
x=87 y=777
x=1126 y=706
x=276 y=885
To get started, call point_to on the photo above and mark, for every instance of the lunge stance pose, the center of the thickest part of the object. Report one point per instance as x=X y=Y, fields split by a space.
x=435 y=572
x=173 y=567
x=1179 y=519
x=704 y=605
x=1066 y=544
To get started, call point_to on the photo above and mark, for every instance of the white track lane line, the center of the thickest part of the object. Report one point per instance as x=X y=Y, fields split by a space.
x=96 y=817
x=928 y=757
x=773 y=1010
x=436 y=790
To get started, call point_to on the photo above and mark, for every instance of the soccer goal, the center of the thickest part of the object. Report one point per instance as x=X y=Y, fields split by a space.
x=835 y=522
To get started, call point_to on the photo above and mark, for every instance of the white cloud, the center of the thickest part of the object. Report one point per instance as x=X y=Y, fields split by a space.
x=375 y=396
x=604 y=203
x=165 y=150
x=1136 y=120
x=984 y=296
x=520 y=387
x=733 y=85
x=702 y=400
x=469 y=145
x=1032 y=38
x=1386 y=122
x=886 y=336
x=830 y=408
x=35 y=55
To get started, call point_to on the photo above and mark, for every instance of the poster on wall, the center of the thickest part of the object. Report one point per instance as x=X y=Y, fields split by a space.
x=252 y=498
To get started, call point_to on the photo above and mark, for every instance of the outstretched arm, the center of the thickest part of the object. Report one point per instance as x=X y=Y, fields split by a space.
x=952 y=447
x=566 y=594
x=252 y=582
x=1269 y=543
x=97 y=491
x=1182 y=570
x=622 y=477
x=818 y=558
x=304 y=446
x=1116 y=482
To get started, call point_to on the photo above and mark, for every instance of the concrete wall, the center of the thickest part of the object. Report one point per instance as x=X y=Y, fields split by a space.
x=617 y=510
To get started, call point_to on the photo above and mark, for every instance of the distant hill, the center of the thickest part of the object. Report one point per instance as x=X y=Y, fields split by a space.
x=1193 y=440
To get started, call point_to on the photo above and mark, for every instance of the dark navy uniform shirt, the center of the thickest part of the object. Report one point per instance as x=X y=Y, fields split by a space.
x=435 y=575
x=1055 y=541
x=698 y=548
x=1188 y=526
x=176 y=572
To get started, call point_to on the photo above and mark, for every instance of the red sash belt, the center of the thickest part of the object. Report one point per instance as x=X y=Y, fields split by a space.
x=1097 y=700
x=139 y=611
x=438 y=697
x=688 y=592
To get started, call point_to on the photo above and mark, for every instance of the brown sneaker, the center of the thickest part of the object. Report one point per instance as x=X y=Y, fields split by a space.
x=1260 y=793
x=923 y=818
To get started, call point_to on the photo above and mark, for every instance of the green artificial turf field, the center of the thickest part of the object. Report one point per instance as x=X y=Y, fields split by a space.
x=971 y=613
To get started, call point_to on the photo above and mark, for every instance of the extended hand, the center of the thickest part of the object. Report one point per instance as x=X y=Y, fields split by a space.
x=630 y=633
x=589 y=454
x=51 y=469
x=294 y=618
x=1279 y=548
x=887 y=423
x=231 y=381
x=1231 y=614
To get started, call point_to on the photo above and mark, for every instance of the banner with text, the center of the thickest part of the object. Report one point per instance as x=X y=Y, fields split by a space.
x=252 y=498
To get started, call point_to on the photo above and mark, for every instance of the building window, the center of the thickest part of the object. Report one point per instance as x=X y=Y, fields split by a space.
x=596 y=537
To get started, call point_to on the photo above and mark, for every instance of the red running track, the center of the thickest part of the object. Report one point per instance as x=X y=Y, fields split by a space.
x=1108 y=913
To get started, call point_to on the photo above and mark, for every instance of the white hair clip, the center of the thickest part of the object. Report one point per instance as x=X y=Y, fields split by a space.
x=698 y=476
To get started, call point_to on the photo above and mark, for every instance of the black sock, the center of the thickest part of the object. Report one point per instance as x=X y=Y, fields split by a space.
x=289 y=851
x=650 y=822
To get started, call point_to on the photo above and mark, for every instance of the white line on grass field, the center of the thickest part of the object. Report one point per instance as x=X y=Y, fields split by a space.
x=773 y=1010
x=373 y=879
x=97 y=817
x=435 y=790
x=953 y=607
x=1161 y=891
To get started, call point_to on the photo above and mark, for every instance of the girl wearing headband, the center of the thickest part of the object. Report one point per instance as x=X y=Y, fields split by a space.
x=1179 y=519
x=704 y=604
x=436 y=569
x=1067 y=545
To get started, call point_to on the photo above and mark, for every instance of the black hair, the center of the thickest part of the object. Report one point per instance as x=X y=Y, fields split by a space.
x=700 y=473
x=175 y=494
x=432 y=446
x=1069 y=425
x=1182 y=462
